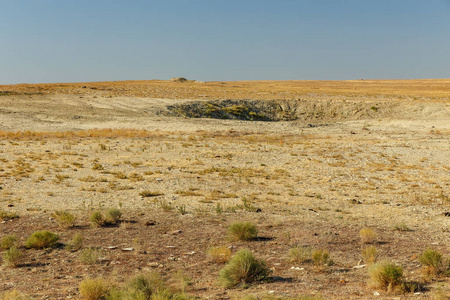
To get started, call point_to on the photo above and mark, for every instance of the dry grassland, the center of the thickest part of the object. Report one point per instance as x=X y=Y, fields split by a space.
x=319 y=194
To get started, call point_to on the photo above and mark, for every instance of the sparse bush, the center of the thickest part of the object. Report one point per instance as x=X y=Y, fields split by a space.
x=5 y=216
x=65 y=219
x=219 y=254
x=12 y=256
x=242 y=231
x=12 y=295
x=93 y=289
x=367 y=235
x=182 y=209
x=432 y=261
x=299 y=254
x=321 y=258
x=8 y=241
x=166 y=206
x=113 y=216
x=401 y=227
x=96 y=218
x=76 y=243
x=386 y=275
x=42 y=239
x=369 y=255
x=90 y=256
x=243 y=268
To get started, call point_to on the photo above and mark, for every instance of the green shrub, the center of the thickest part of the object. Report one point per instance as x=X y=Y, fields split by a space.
x=432 y=260
x=112 y=216
x=65 y=219
x=93 y=289
x=386 y=275
x=369 y=255
x=367 y=235
x=242 y=231
x=96 y=218
x=13 y=295
x=12 y=256
x=76 y=243
x=220 y=254
x=321 y=258
x=299 y=254
x=243 y=268
x=8 y=241
x=5 y=216
x=42 y=239
x=90 y=256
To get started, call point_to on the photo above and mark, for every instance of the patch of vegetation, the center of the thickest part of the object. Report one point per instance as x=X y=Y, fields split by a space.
x=243 y=268
x=5 y=216
x=401 y=227
x=76 y=243
x=112 y=217
x=433 y=262
x=242 y=231
x=93 y=289
x=65 y=219
x=42 y=239
x=321 y=258
x=8 y=241
x=219 y=254
x=90 y=256
x=299 y=254
x=367 y=235
x=166 y=206
x=386 y=275
x=369 y=255
x=12 y=256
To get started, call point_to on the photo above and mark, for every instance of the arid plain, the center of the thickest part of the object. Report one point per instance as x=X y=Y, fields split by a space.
x=310 y=163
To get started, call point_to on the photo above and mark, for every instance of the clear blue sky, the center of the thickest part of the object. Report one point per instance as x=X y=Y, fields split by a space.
x=100 y=40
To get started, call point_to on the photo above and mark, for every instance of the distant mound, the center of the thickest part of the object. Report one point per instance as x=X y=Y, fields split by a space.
x=178 y=79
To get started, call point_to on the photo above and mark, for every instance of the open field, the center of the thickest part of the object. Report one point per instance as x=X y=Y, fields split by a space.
x=184 y=160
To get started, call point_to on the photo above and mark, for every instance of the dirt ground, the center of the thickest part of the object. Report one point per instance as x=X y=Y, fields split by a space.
x=367 y=160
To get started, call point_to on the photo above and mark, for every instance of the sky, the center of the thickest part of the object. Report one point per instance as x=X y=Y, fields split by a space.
x=103 y=40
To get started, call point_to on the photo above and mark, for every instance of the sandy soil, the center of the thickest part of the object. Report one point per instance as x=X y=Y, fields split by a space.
x=312 y=182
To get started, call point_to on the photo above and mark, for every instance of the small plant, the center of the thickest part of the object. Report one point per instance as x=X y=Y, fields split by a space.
x=65 y=219
x=8 y=241
x=243 y=268
x=42 y=239
x=13 y=295
x=5 y=216
x=242 y=231
x=182 y=209
x=401 y=227
x=432 y=261
x=386 y=275
x=76 y=243
x=321 y=258
x=93 y=289
x=367 y=235
x=220 y=254
x=90 y=256
x=369 y=255
x=166 y=206
x=299 y=254
x=96 y=218
x=113 y=216
x=219 y=208
x=12 y=256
